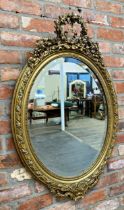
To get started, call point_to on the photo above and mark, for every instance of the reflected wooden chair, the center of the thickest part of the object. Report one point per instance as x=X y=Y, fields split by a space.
x=97 y=102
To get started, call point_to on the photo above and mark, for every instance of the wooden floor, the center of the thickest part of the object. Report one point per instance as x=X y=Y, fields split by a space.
x=70 y=152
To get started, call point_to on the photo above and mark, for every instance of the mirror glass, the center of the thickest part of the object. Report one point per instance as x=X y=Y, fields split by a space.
x=67 y=117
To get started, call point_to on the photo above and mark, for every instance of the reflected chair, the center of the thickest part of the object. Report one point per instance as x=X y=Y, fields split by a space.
x=98 y=106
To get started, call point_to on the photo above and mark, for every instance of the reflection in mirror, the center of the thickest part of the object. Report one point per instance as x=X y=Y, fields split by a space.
x=67 y=117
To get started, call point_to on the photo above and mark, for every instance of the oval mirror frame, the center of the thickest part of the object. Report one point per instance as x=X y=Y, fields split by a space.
x=63 y=45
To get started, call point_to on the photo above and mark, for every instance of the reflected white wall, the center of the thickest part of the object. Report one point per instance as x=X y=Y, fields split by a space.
x=50 y=83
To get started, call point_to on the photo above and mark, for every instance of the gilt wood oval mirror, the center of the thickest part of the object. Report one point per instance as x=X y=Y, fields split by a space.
x=64 y=111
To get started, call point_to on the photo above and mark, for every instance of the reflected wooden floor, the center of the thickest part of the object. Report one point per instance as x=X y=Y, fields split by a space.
x=69 y=152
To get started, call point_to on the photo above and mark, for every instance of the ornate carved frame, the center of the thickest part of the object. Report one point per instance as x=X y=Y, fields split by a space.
x=82 y=48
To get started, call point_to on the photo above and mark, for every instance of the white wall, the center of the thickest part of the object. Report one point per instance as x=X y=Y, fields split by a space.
x=51 y=83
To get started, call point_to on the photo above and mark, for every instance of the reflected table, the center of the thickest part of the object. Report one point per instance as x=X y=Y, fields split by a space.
x=50 y=112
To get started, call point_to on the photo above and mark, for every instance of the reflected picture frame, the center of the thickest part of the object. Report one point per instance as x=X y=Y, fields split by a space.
x=63 y=45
